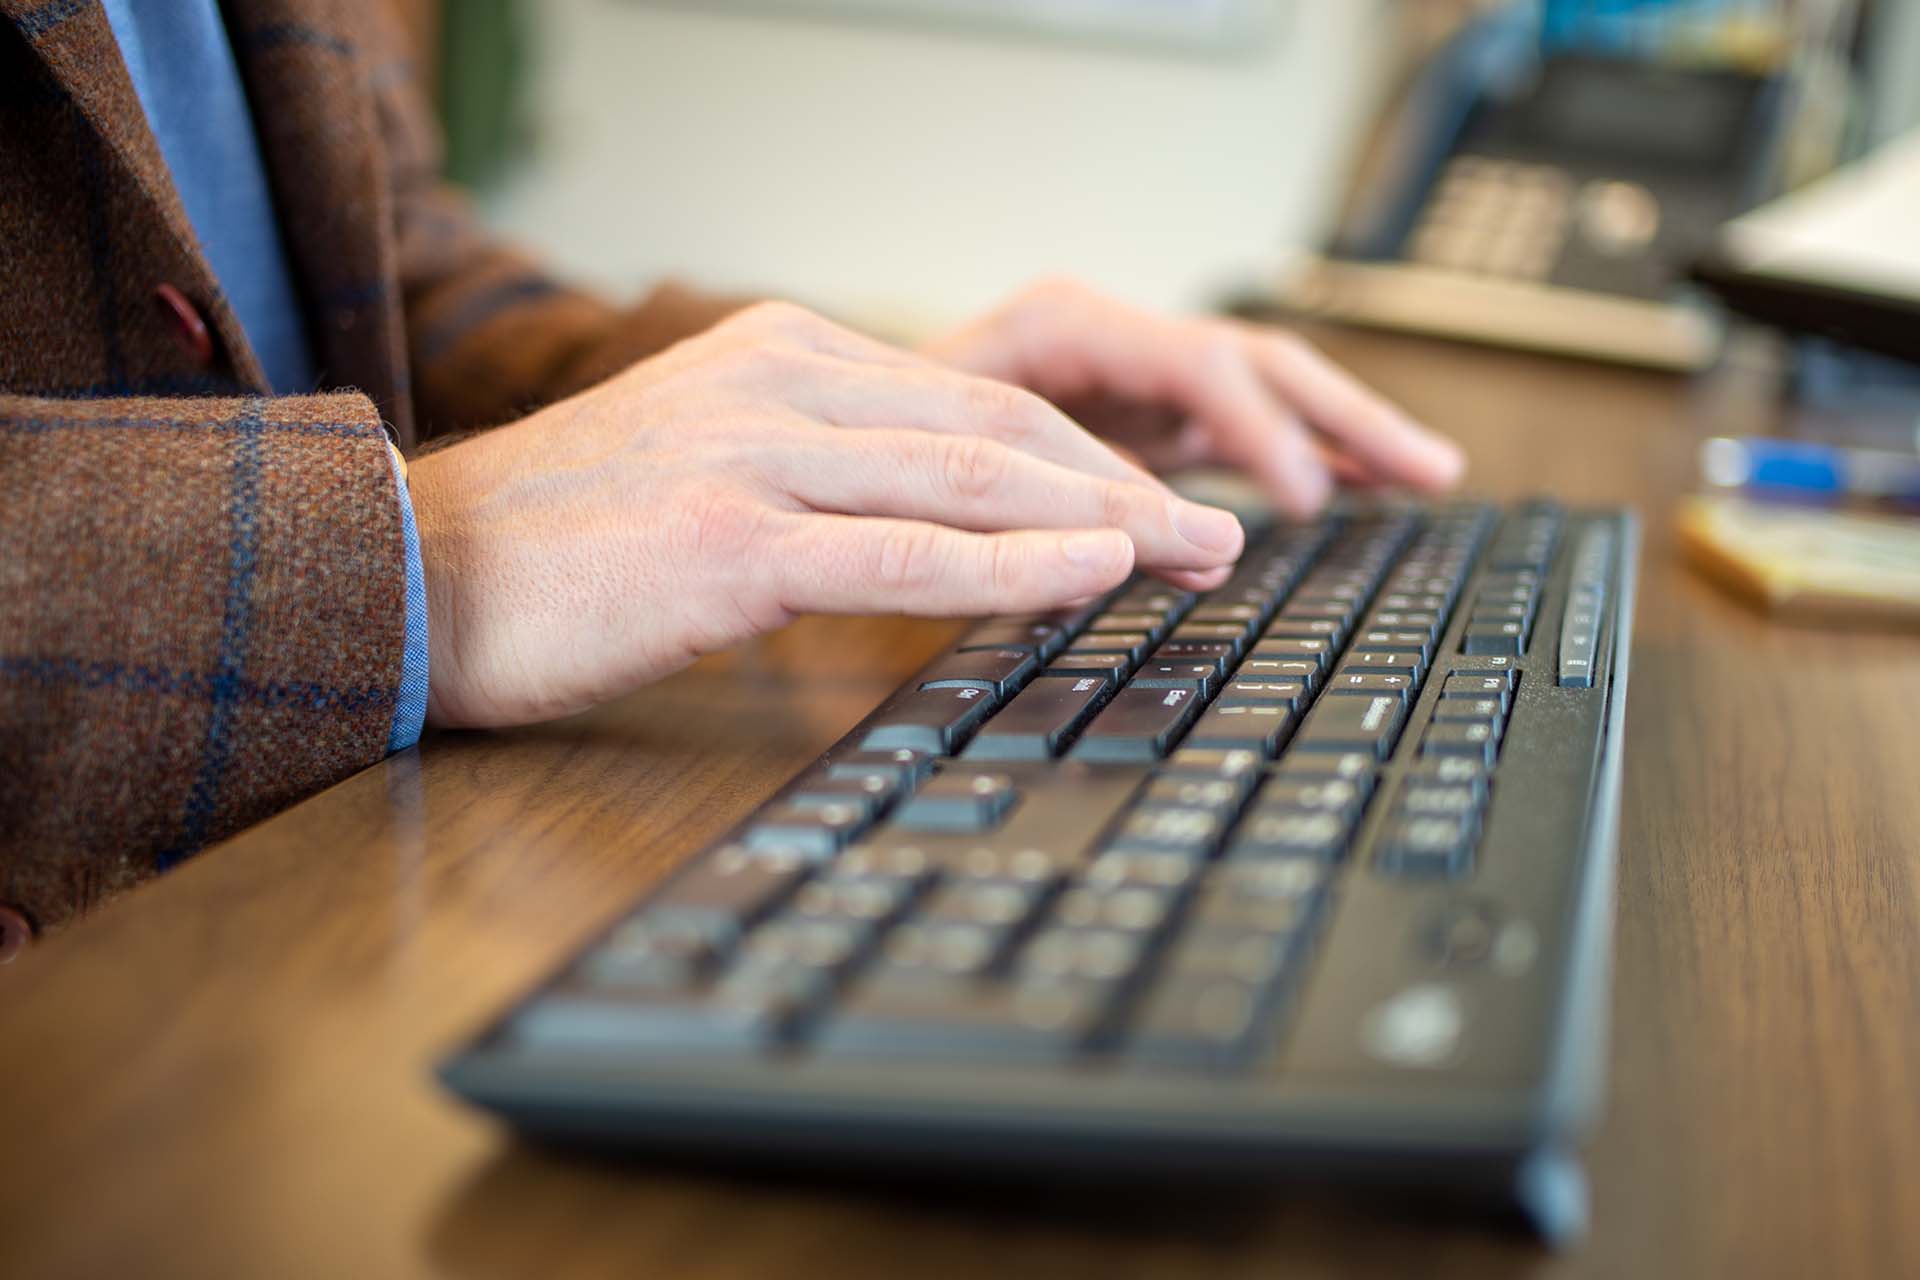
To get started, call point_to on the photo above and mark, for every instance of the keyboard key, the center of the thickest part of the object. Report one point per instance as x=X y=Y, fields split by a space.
x=652 y=953
x=1329 y=631
x=1440 y=847
x=1189 y=832
x=1494 y=637
x=1080 y=955
x=1238 y=615
x=734 y=1021
x=1208 y=762
x=1340 y=796
x=936 y=721
x=1349 y=766
x=1317 y=651
x=1475 y=689
x=1153 y=625
x=1001 y=670
x=1198 y=677
x=1042 y=637
x=1478 y=741
x=955 y=950
x=1467 y=710
x=1041 y=719
x=1220 y=656
x=1111 y=667
x=1119 y=869
x=1386 y=640
x=1385 y=663
x=1138 y=726
x=1132 y=908
x=892 y=1015
x=871 y=792
x=1427 y=801
x=1195 y=1022
x=959 y=801
x=902 y=768
x=728 y=890
x=1133 y=645
x=1290 y=833
x=988 y=904
x=1255 y=726
x=1231 y=633
x=1243 y=691
x=1244 y=955
x=1452 y=771
x=1369 y=724
x=1303 y=671
x=1221 y=796
x=820 y=831
x=1367 y=684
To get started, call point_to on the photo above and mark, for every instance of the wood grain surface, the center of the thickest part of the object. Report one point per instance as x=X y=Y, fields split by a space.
x=227 y=1073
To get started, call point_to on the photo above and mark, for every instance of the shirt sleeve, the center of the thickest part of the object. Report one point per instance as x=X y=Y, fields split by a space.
x=410 y=703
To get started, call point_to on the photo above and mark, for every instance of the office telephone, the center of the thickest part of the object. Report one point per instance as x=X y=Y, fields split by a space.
x=1551 y=201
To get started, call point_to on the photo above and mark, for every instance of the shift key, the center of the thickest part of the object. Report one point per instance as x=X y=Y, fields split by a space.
x=1370 y=724
x=1138 y=726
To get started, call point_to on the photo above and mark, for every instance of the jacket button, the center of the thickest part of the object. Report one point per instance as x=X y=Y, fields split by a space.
x=15 y=934
x=188 y=325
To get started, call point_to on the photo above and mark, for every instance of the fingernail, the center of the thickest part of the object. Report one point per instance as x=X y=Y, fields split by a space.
x=1207 y=527
x=1093 y=549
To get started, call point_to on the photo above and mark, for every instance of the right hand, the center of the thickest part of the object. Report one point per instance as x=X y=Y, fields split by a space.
x=775 y=465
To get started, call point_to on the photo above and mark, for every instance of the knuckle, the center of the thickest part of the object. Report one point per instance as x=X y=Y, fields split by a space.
x=908 y=560
x=1290 y=346
x=976 y=466
x=777 y=317
x=1007 y=566
x=718 y=528
x=1011 y=415
x=1119 y=505
x=1221 y=350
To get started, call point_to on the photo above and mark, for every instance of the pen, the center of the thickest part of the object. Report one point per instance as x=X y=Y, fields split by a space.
x=1799 y=468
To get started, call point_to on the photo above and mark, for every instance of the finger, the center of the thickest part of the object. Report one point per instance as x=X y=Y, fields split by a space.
x=971 y=482
x=1387 y=441
x=940 y=400
x=855 y=564
x=1202 y=369
x=1218 y=385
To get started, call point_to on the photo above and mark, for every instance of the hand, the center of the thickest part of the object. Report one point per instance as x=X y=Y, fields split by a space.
x=774 y=465
x=1182 y=390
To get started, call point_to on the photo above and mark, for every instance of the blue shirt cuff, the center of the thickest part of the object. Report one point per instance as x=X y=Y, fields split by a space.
x=410 y=703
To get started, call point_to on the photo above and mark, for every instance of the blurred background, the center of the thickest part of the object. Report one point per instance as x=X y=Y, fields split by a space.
x=1578 y=176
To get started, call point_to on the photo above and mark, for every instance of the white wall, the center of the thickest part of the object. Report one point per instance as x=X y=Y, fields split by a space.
x=906 y=175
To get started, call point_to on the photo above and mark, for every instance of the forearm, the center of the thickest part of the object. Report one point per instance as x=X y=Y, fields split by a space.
x=202 y=619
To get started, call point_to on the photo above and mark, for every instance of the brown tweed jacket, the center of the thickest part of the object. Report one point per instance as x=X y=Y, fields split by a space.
x=202 y=586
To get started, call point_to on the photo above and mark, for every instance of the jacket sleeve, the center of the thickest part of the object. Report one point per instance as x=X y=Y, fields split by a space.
x=202 y=620
x=490 y=335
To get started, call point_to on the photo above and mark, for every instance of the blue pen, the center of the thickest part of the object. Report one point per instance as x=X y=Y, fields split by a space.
x=1816 y=472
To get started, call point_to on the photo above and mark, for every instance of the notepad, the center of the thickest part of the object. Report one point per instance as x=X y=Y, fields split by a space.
x=1805 y=562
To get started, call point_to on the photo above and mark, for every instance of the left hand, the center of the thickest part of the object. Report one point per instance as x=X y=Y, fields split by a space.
x=1180 y=390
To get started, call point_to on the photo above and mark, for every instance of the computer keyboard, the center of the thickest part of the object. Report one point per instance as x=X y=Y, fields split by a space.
x=1308 y=874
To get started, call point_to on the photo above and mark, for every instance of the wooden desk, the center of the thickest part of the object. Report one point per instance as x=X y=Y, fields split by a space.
x=227 y=1073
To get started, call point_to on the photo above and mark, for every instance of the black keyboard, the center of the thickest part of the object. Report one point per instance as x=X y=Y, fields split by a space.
x=1308 y=874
